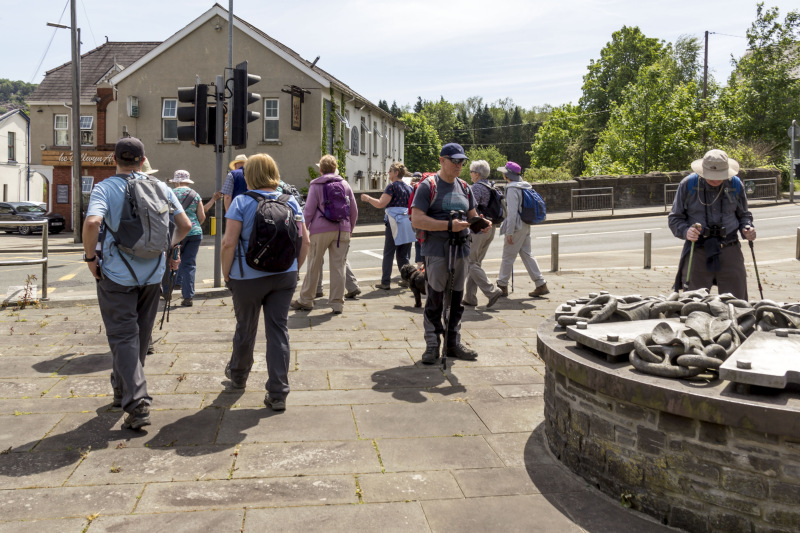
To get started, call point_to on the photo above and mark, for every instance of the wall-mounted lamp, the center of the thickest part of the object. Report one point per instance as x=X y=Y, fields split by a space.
x=96 y=99
x=218 y=27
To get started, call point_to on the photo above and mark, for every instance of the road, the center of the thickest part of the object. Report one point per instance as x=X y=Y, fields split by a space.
x=609 y=243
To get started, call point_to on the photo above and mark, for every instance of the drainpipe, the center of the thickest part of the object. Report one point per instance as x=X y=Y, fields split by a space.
x=28 y=161
x=369 y=147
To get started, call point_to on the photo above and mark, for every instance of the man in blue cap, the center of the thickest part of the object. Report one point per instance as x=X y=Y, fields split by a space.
x=442 y=205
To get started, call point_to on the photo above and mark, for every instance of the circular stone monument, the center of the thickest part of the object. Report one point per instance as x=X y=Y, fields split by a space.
x=696 y=454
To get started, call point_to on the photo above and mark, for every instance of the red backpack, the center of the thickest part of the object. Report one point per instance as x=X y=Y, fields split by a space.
x=431 y=178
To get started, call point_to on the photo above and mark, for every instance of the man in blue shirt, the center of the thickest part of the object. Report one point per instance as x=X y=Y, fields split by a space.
x=128 y=287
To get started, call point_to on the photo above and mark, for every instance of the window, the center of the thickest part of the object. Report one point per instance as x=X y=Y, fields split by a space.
x=169 y=119
x=354 y=140
x=385 y=140
x=87 y=135
x=347 y=125
x=61 y=127
x=12 y=141
x=363 y=136
x=374 y=138
x=271 y=119
x=329 y=126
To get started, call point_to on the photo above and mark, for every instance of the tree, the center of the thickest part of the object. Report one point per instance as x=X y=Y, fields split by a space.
x=483 y=126
x=441 y=116
x=383 y=105
x=395 y=111
x=556 y=140
x=418 y=106
x=491 y=155
x=761 y=98
x=422 y=144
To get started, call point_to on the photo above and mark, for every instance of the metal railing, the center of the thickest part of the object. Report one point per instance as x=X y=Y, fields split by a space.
x=592 y=199
x=762 y=189
x=42 y=261
x=669 y=195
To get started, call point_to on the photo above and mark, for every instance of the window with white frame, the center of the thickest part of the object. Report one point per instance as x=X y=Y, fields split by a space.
x=271 y=120
x=347 y=121
x=363 y=136
x=374 y=138
x=169 y=119
x=385 y=139
x=61 y=130
x=354 y=140
x=12 y=145
x=87 y=134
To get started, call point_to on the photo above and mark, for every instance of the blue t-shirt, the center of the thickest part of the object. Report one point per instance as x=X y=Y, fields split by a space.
x=243 y=209
x=106 y=201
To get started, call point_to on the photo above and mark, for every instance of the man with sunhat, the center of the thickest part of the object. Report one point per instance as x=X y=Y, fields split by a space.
x=517 y=233
x=442 y=205
x=128 y=286
x=235 y=183
x=710 y=210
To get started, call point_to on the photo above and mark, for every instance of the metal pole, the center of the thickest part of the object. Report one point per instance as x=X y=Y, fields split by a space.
x=230 y=68
x=797 y=250
x=705 y=90
x=77 y=195
x=554 y=252
x=219 y=91
x=648 y=241
x=793 y=171
x=45 y=235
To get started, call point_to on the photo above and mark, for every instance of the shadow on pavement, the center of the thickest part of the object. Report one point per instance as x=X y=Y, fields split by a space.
x=409 y=383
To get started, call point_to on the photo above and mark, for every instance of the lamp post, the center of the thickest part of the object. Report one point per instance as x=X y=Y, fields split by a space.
x=77 y=193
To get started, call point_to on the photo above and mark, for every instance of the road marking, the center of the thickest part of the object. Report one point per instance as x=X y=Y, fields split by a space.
x=602 y=233
x=778 y=218
x=372 y=253
x=66 y=277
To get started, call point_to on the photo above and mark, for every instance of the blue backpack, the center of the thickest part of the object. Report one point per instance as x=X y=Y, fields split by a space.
x=533 y=207
x=239 y=183
x=694 y=180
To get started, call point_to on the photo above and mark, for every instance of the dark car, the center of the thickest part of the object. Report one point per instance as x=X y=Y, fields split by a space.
x=10 y=211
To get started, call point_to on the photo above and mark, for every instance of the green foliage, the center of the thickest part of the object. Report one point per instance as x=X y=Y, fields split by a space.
x=491 y=155
x=422 y=144
x=441 y=116
x=14 y=93
x=556 y=141
x=545 y=174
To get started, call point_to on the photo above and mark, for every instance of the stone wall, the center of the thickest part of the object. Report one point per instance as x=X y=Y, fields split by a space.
x=687 y=472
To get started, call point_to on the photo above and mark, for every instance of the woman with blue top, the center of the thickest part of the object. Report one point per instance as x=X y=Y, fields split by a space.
x=399 y=233
x=255 y=290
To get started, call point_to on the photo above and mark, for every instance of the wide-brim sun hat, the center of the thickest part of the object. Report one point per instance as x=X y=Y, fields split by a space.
x=241 y=158
x=511 y=171
x=147 y=169
x=716 y=166
x=181 y=176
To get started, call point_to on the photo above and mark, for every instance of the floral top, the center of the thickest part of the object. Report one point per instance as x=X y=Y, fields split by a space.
x=191 y=210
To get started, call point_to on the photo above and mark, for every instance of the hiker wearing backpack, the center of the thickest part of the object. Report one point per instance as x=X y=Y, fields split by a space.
x=331 y=214
x=133 y=211
x=489 y=204
x=265 y=244
x=441 y=207
x=234 y=184
x=713 y=197
x=398 y=234
x=517 y=230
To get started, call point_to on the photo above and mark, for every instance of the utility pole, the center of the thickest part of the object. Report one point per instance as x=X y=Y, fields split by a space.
x=705 y=91
x=77 y=189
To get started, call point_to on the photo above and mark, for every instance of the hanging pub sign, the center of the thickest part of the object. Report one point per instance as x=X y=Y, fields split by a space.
x=298 y=96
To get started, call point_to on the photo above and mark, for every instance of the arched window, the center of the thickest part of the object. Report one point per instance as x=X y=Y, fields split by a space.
x=354 y=142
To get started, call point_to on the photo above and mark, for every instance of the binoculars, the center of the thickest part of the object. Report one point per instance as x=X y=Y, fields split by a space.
x=715 y=231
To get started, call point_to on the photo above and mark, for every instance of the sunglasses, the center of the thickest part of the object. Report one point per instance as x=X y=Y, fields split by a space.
x=458 y=162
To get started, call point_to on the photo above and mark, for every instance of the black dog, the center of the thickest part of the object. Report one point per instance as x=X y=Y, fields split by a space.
x=416 y=281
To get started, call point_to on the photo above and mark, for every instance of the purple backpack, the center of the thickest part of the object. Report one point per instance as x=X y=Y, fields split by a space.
x=335 y=201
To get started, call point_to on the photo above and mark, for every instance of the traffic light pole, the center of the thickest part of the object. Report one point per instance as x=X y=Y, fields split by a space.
x=219 y=147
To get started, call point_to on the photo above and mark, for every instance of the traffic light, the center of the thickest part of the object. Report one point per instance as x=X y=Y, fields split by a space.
x=197 y=113
x=240 y=99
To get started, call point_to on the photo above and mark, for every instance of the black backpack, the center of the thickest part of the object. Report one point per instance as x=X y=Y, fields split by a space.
x=274 y=240
x=494 y=210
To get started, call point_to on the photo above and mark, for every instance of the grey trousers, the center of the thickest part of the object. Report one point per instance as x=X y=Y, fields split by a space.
x=521 y=248
x=271 y=294
x=128 y=314
x=432 y=322
x=732 y=278
x=350 y=280
x=477 y=277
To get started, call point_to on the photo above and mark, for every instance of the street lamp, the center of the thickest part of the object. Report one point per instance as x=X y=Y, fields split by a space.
x=77 y=193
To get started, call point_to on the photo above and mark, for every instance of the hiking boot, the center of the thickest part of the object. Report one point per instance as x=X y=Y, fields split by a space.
x=235 y=384
x=464 y=301
x=137 y=418
x=494 y=297
x=300 y=307
x=337 y=311
x=150 y=349
x=541 y=290
x=430 y=355
x=275 y=405
x=403 y=283
x=352 y=294
x=117 y=398
x=187 y=302
x=383 y=287
x=503 y=290
x=459 y=351
x=319 y=294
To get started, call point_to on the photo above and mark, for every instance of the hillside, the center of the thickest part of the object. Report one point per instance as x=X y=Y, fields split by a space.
x=13 y=94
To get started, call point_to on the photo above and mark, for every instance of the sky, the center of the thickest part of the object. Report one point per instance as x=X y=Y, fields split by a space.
x=533 y=51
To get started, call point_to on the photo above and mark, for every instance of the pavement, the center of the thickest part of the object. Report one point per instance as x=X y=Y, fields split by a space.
x=371 y=438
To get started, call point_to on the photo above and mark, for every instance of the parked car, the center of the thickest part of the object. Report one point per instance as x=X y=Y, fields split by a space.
x=10 y=211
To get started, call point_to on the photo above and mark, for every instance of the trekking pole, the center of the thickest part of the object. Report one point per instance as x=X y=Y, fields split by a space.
x=698 y=227
x=168 y=296
x=512 y=278
x=451 y=276
x=755 y=266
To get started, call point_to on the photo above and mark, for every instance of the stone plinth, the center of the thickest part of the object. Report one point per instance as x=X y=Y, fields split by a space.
x=694 y=454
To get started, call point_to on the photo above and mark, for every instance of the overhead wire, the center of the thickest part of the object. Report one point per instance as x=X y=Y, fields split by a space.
x=88 y=22
x=33 y=77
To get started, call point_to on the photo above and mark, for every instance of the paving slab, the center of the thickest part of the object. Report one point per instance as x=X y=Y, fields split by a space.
x=405 y=486
x=505 y=375
x=591 y=510
x=141 y=465
x=357 y=357
x=235 y=494
x=297 y=423
x=521 y=449
x=30 y=366
x=37 y=469
x=26 y=387
x=400 y=517
x=22 y=432
x=355 y=397
x=53 y=405
x=101 y=385
x=528 y=390
x=81 y=431
x=68 y=525
x=509 y=415
x=306 y=458
x=68 y=502
x=390 y=378
x=458 y=393
x=512 y=481
x=436 y=453
x=428 y=419
x=187 y=522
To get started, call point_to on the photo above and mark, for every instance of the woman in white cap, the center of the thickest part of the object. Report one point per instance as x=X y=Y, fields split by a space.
x=190 y=245
x=710 y=210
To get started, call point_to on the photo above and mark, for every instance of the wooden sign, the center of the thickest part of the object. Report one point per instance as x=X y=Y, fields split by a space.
x=57 y=158
x=297 y=112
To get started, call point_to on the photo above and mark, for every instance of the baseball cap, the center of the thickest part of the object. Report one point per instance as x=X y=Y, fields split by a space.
x=453 y=151
x=129 y=150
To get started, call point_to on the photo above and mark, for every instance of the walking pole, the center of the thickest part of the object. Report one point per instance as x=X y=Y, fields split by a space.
x=755 y=266
x=698 y=227
x=512 y=278
x=451 y=277
x=168 y=296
